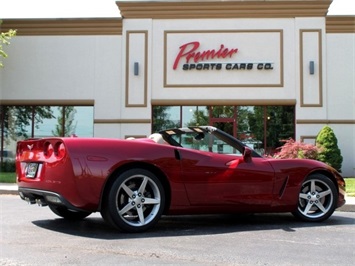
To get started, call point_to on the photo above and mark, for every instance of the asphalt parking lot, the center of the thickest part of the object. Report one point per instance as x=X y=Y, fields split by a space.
x=32 y=235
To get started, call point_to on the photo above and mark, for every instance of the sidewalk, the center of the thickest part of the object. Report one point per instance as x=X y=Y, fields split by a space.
x=8 y=189
x=11 y=189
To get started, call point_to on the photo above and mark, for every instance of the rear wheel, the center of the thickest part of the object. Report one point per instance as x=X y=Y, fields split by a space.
x=135 y=201
x=317 y=199
x=68 y=214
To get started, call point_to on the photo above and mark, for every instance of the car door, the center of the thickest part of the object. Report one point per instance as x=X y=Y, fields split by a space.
x=214 y=179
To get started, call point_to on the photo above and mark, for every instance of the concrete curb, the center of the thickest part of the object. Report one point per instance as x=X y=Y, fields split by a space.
x=8 y=189
x=11 y=189
x=349 y=205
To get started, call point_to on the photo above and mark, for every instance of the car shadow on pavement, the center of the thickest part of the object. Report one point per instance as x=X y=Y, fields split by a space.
x=190 y=225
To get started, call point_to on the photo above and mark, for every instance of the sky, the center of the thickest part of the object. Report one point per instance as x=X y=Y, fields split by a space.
x=101 y=8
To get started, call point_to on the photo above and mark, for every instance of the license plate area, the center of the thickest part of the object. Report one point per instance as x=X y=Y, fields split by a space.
x=31 y=170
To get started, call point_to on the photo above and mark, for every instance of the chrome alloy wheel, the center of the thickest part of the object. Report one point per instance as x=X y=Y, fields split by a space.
x=317 y=198
x=138 y=200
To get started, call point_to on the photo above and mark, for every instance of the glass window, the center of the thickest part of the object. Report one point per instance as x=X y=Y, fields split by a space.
x=21 y=122
x=194 y=116
x=260 y=127
x=250 y=124
x=280 y=121
x=165 y=117
x=67 y=121
x=44 y=125
x=223 y=111
x=83 y=121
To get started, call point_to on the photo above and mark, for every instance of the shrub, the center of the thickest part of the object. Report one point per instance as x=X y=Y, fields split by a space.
x=8 y=166
x=330 y=153
x=293 y=150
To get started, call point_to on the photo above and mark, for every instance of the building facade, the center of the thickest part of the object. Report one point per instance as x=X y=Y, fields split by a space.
x=263 y=71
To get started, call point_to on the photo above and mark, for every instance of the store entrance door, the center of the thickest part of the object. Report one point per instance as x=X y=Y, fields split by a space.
x=224 y=118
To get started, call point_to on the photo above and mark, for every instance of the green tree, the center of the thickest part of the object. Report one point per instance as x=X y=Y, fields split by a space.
x=66 y=125
x=198 y=119
x=280 y=125
x=256 y=122
x=329 y=150
x=243 y=119
x=161 y=119
x=17 y=119
x=5 y=38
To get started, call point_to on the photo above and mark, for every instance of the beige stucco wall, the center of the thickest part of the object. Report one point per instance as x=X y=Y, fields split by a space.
x=90 y=66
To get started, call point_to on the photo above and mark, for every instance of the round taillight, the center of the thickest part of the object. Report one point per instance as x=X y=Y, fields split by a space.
x=47 y=149
x=19 y=150
x=59 y=150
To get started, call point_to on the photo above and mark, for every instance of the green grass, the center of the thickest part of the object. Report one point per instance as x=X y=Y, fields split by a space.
x=350 y=186
x=7 y=177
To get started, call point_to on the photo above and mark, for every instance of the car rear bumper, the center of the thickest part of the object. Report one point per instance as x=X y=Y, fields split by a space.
x=44 y=198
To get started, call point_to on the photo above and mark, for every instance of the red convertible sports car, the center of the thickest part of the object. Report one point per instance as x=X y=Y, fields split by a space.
x=195 y=170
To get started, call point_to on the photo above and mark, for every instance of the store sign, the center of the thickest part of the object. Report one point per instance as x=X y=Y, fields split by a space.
x=195 y=59
x=220 y=59
x=190 y=52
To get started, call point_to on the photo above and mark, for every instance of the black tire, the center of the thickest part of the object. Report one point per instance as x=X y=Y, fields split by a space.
x=317 y=199
x=68 y=214
x=135 y=201
x=105 y=213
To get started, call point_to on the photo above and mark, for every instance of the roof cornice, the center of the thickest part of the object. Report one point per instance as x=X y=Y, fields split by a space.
x=72 y=26
x=223 y=9
x=340 y=24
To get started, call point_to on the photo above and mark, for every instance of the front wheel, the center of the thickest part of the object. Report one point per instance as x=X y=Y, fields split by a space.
x=317 y=199
x=68 y=214
x=135 y=201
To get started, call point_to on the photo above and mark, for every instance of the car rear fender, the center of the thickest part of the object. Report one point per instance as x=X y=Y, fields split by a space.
x=135 y=165
x=55 y=171
x=170 y=179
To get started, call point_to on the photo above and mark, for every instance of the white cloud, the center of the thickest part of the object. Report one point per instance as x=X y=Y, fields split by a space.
x=58 y=8
x=342 y=7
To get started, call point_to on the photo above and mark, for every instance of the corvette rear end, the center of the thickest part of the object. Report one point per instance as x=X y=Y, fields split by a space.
x=45 y=173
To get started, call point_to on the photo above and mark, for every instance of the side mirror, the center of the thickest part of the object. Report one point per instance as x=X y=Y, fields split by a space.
x=247 y=155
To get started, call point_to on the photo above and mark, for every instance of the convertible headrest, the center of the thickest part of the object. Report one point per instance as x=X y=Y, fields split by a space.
x=158 y=138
